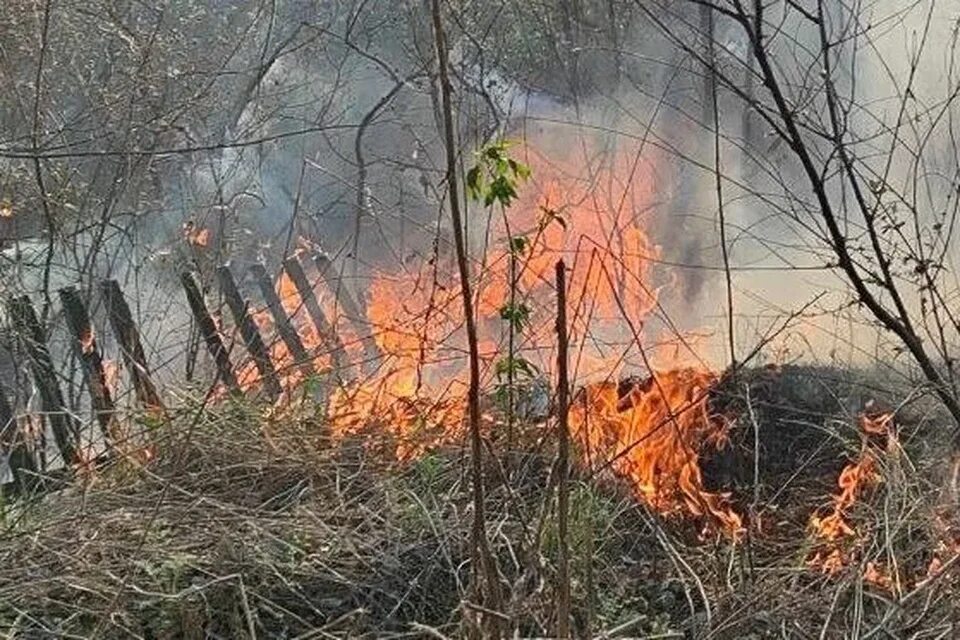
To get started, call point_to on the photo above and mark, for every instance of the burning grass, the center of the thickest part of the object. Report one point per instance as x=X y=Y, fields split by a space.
x=773 y=502
x=252 y=526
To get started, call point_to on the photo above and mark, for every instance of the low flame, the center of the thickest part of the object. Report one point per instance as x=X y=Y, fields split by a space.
x=111 y=375
x=291 y=372
x=947 y=548
x=196 y=236
x=654 y=436
x=833 y=530
x=87 y=341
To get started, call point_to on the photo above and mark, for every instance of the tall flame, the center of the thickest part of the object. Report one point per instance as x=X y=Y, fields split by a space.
x=654 y=435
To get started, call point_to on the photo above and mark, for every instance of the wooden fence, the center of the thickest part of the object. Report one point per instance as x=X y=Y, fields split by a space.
x=27 y=470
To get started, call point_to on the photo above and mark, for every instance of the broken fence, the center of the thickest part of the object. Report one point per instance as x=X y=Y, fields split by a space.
x=26 y=466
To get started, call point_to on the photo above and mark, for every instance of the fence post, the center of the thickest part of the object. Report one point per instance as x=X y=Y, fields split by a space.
x=563 y=456
x=66 y=431
x=295 y=270
x=22 y=463
x=371 y=352
x=249 y=332
x=209 y=331
x=85 y=341
x=284 y=327
x=131 y=348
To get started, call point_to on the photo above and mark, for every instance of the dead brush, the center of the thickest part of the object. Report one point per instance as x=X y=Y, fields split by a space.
x=254 y=524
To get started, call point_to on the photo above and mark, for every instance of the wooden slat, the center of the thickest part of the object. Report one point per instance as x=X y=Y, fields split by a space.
x=249 y=332
x=21 y=459
x=131 y=348
x=66 y=431
x=295 y=270
x=85 y=342
x=209 y=331
x=351 y=311
x=285 y=328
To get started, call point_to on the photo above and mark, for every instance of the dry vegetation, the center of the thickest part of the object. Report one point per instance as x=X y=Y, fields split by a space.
x=253 y=526
x=480 y=214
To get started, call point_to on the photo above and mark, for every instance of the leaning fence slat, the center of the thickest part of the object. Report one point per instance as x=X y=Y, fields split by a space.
x=295 y=270
x=20 y=460
x=131 y=348
x=285 y=328
x=371 y=352
x=85 y=341
x=66 y=431
x=249 y=332
x=209 y=331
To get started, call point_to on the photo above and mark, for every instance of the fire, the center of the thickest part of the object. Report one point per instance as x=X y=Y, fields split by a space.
x=411 y=423
x=875 y=575
x=417 y=316
x=833 y=531
x=292 y=372
x=654 y=436
x=196 y=236
x=87 y=341
x=412 y=318
x=878 y=424
x=111 y=375
x=947 y=547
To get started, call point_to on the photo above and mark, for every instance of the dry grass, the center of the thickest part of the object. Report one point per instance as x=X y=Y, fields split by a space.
x=250 y=527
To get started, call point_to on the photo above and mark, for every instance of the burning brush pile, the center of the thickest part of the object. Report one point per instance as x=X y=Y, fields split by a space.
x=755 y=500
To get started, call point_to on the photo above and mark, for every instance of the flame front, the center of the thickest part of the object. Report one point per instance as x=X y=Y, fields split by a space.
x=833 y=531
x=653 y=436
x=196 y=236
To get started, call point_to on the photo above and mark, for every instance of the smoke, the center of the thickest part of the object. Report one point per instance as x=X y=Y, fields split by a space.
x=340 y=136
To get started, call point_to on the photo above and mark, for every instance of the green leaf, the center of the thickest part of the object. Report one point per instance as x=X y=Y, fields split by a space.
x=473 y=177
x=519 y=244
x=517 y=314
x=495 y=177
x=312 y=385
x=501 y=394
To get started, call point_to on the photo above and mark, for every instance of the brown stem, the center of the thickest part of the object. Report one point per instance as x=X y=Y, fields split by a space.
x=838 y=240
x=706 y=15
x=37 y=169
x=563 y=457
x=482 y=559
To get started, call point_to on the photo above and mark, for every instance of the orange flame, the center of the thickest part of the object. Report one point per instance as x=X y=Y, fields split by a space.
x=111 y=375
x=87 y=341
x=417 y=314
x=832 y=529
x=877 y=576
x=947 y=547
x=291 y=372
x=196 y=236
x=654 y=436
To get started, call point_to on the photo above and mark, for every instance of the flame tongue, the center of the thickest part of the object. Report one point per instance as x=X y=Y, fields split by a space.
x=653 y=434
x=833 y=529
x=654 y=437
